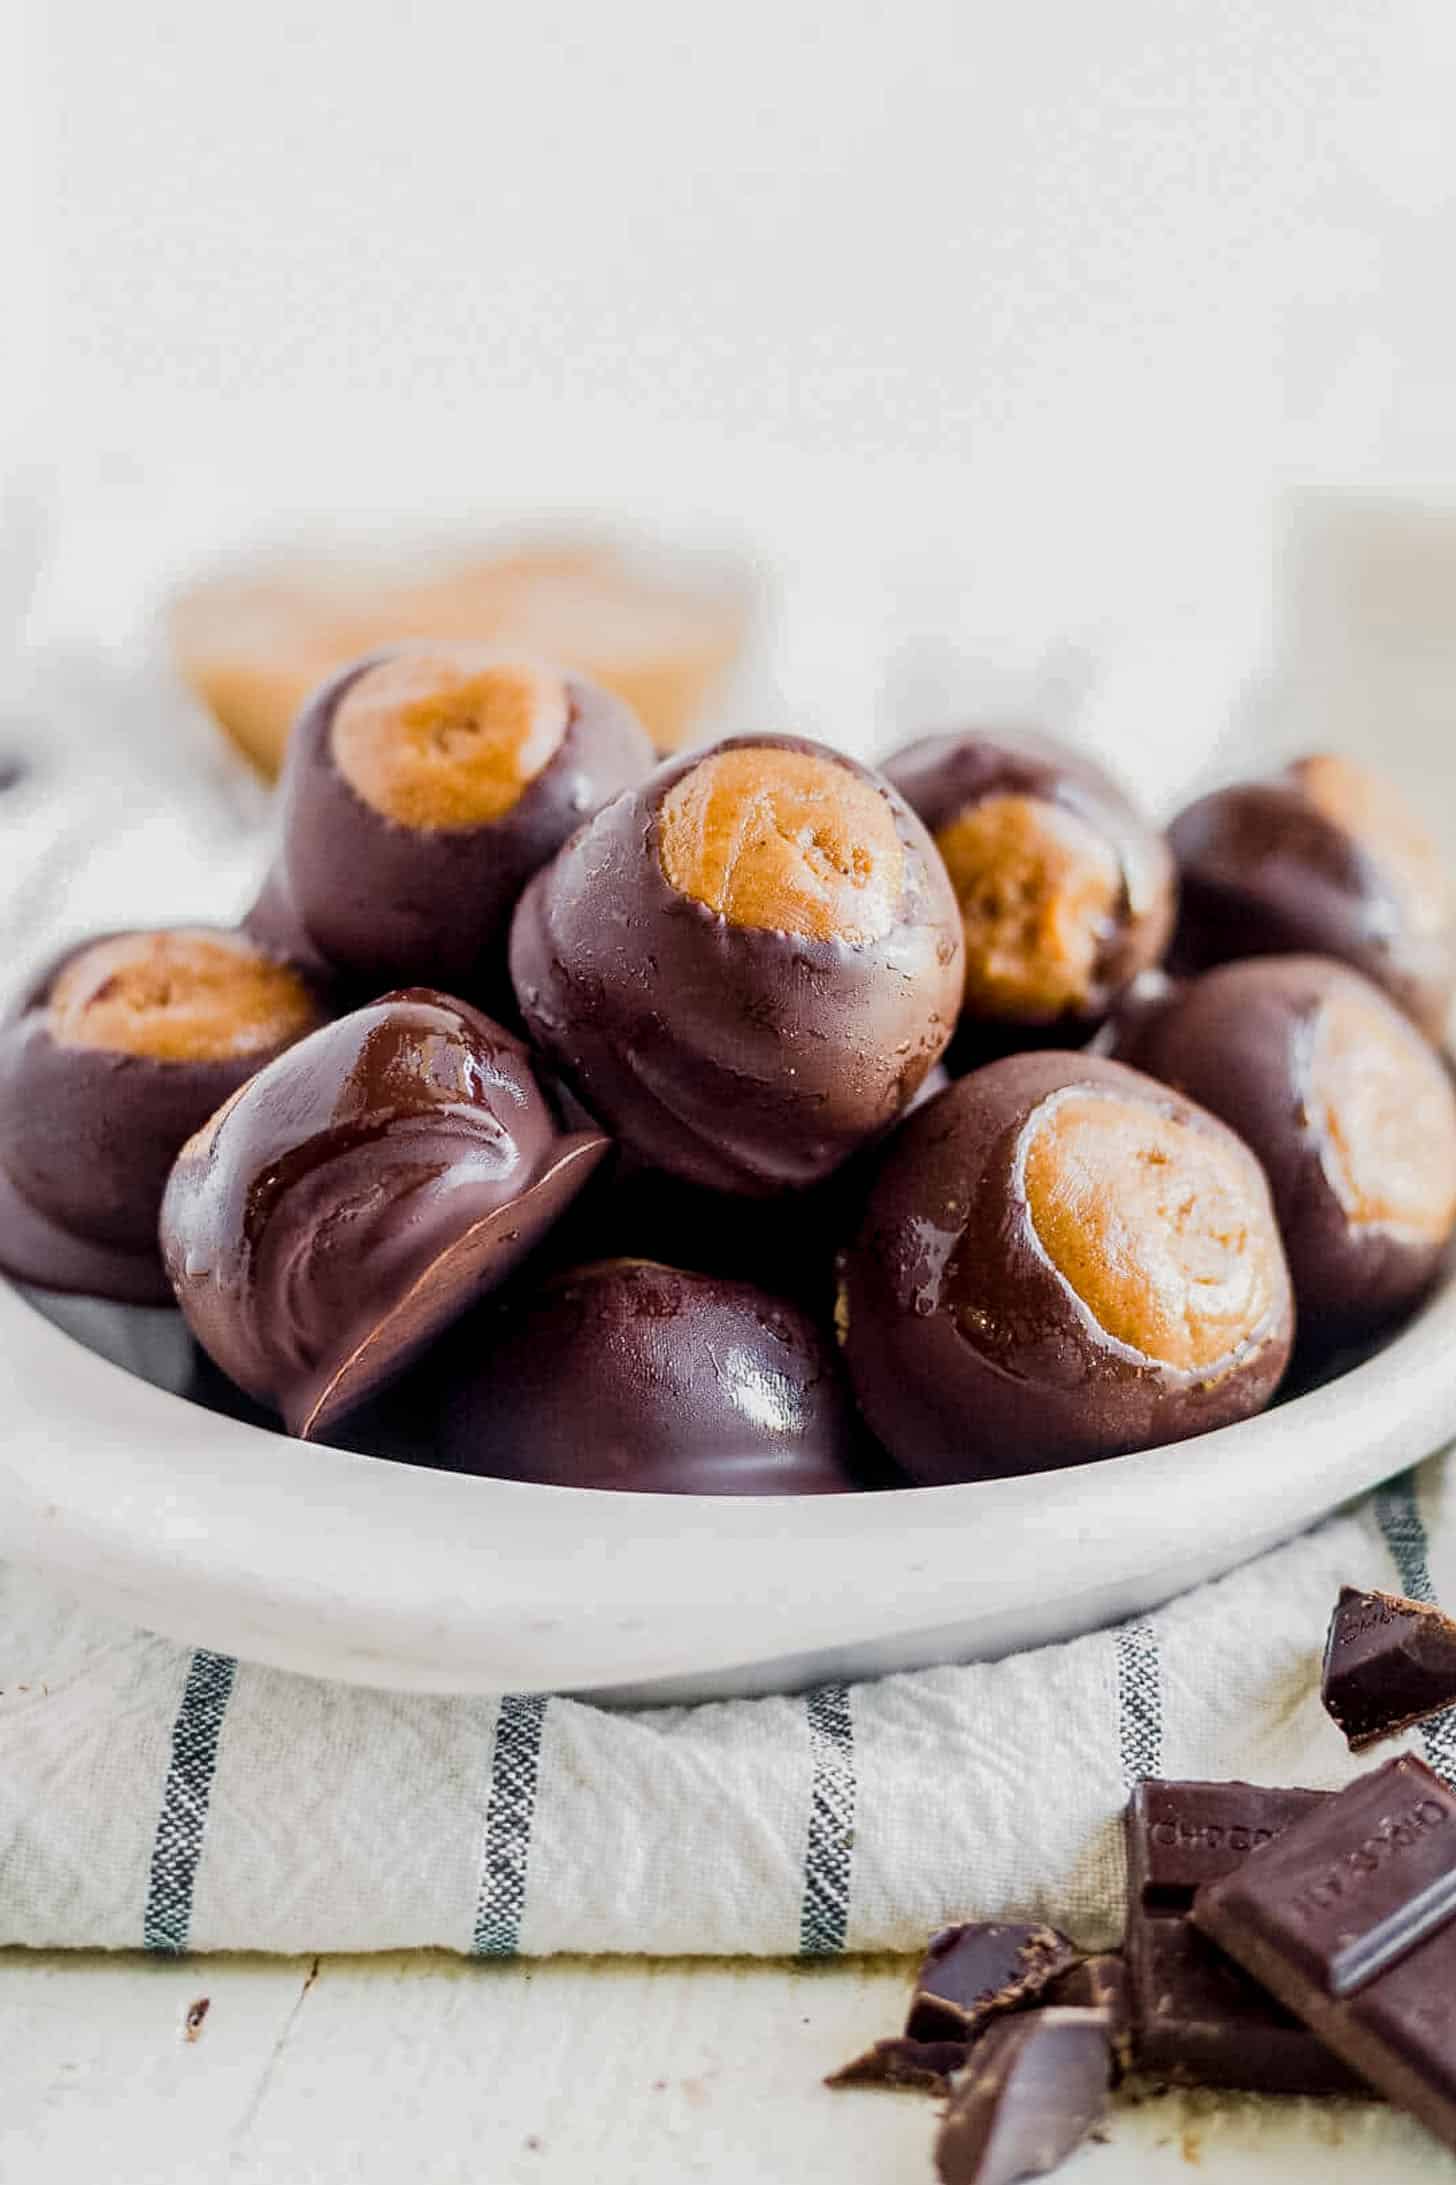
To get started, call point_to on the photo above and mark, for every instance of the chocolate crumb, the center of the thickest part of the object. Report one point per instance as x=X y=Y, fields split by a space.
x=924 y=2065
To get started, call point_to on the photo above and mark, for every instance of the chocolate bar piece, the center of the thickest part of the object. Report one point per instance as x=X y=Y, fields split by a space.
x=1033 y=2088
x=975 y=1971
x=1389 y=1663
x=1197 y=2019
x=1200 y=2021
x=1101 y=1983
x=1180 y=1835
x=1351 y=1921
x=927 y=2065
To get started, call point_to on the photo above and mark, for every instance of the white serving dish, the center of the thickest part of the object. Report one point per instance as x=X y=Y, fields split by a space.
x=221 y=1534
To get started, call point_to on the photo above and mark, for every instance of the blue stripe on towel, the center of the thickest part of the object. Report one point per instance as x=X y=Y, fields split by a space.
x=186 y=1794
x=1139 y=1701
x=1398 y=1509
x=510 y=1810
x=829 y=1851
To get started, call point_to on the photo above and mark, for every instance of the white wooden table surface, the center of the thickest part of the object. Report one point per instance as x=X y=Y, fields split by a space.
x=380 y=2071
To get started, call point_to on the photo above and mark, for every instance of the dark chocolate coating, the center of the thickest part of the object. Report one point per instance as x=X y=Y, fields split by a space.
x=1031 y=2091
x=87 y=1138
x=947 y=1237
x=1150 y=993
x=1350 y=1921
x=631 y=1211
x=1239 y=1041
x=627 y=1374
x=1389 y=1663
x=738 y=1058
x=273 y=922
x=385 y=904
x=943 y=776
x=358 y=1195
x=976 y=1971
x=1263 y=872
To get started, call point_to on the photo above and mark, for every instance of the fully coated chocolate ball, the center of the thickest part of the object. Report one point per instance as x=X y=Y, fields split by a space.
x=630 y=1374
x=1350 y=1111
x=358 y=1194
x=745 y=968
x=1061 y=1260
x=1323 y=858
x=1065 y=891
x=113 y=1058
x=423 y=787
x=630 y=1211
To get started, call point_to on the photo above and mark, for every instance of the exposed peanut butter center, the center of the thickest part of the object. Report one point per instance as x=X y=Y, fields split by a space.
x=784 y=840
x=1385 y=1117
x=1163 y=1231
x=448 y=736
x=1385 y=827
x=1039 y=891
x=178 y=997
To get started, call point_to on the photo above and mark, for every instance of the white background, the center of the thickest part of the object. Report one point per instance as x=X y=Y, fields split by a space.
x=1006 y=319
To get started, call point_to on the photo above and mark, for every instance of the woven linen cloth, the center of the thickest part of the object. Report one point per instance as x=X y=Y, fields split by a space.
x=155 y=1796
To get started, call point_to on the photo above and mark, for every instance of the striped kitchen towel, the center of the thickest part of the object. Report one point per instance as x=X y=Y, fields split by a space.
x=154 y=1797
x=171 y=1799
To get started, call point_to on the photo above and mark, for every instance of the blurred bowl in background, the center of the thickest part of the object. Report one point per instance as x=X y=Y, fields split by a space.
x=661 y=627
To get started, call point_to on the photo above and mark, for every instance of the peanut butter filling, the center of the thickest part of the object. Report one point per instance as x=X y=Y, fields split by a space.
x=784 y=840
x=1382 y=823
x=182 y=996
x=1039 y=891
x=1163 y=1231
x=1384 y=1113
x=448 y=736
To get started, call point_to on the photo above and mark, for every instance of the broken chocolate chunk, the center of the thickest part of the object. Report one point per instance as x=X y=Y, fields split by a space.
x=1180 y=1835
x=926 y=2065
x=1101 y=1983
x=977 y=1970
x=1350 y=1919
x=1389 y=1663
x=1200 y=2021
x=1033 y=2087
x=1196 y=2019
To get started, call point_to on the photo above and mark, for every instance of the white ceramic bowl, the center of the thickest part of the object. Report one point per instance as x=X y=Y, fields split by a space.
x=225 y=1535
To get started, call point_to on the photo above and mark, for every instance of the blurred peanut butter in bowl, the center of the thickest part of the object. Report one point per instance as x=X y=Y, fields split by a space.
x=660 y=630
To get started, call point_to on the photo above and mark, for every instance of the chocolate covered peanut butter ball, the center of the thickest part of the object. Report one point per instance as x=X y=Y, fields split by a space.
x=358 y=1194
x=111 y=1061
x=423 y=787
x=1327 y=859
x=630 y=1374
x=1061 y=1260
x=745 y=968
x=1349 y=1109
x=1065 y=891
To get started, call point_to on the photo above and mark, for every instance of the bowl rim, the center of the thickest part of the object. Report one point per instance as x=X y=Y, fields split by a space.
x=210 y=1530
